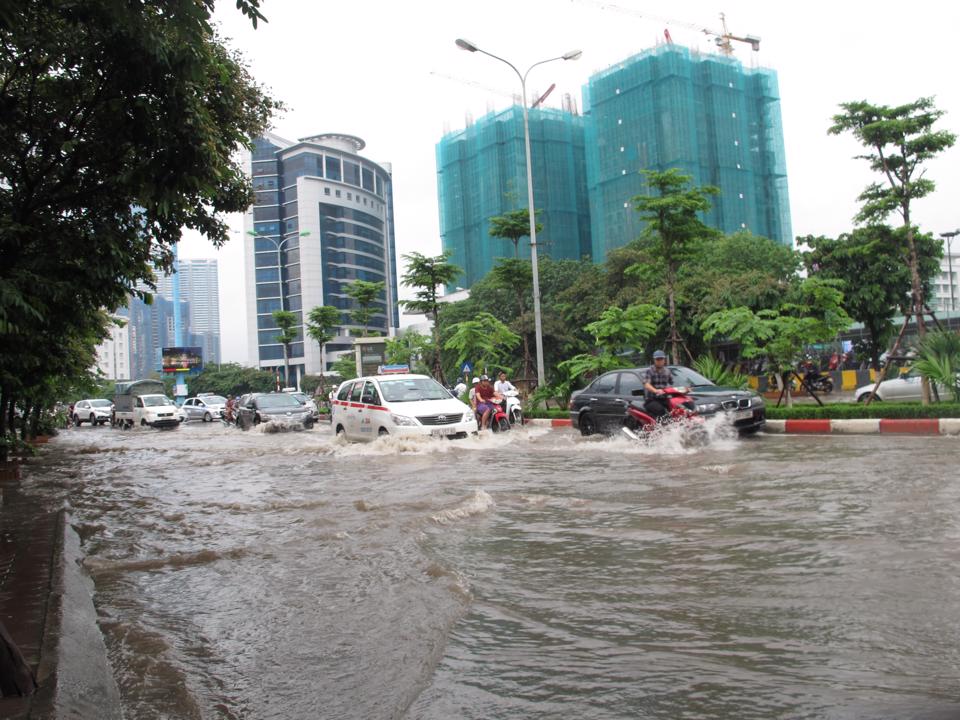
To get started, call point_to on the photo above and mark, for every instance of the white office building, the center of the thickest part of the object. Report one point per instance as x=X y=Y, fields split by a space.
x=323 y=217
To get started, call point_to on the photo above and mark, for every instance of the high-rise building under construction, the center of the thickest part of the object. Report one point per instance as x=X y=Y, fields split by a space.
x=667 y=107
x=704 y=114
x=482 y=172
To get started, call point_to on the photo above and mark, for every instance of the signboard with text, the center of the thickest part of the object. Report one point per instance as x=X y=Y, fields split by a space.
x=182 y=359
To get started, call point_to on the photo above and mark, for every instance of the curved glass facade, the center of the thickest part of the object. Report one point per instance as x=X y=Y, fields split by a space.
x=312 y=196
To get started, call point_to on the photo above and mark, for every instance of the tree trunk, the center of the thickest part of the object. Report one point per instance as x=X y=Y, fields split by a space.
x=672 y=312
x=286 y=367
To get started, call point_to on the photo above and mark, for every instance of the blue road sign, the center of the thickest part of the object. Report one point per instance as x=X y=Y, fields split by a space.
x=466 y=368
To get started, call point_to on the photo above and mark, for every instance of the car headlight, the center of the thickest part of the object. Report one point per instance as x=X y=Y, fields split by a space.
x=468 y=416
x=756 y=402
x=403 y=420
x=710 y=407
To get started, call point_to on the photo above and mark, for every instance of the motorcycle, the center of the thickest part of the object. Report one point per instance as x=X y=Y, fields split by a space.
x=513 y=409
x=819 y=383
x=498 y=419
x=681 y=410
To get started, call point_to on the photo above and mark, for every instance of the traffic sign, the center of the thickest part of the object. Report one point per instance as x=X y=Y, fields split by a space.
x=466 y=368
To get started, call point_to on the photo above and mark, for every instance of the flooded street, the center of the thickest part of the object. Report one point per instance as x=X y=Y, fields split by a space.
x=530 y=575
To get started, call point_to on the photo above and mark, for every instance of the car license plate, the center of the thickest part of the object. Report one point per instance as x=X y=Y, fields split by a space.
x=442 y=432
x=743 y=415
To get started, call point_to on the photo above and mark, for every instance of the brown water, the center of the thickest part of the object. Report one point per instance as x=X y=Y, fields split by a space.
x=530 y=575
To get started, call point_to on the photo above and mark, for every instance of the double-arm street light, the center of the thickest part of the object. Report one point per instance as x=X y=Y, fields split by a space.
x=572 y=55
x=949 y=236
x=278 y=244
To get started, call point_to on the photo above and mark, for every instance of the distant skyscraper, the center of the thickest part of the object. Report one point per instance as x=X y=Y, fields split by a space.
x=705 y=115
x=323 y=217
x=113 y=354
x=199 y=289
x=482 y=173
x=151 y=328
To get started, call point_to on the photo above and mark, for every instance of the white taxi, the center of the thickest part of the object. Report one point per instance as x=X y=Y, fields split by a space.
x=401 y=404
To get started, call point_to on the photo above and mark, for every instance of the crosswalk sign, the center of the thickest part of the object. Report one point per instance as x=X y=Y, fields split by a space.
x=466 y=368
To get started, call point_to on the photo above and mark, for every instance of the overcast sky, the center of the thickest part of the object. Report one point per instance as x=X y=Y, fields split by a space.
x=390 y=73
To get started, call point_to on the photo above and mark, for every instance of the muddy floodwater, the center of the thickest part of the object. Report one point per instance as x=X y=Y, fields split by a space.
x=535 y=574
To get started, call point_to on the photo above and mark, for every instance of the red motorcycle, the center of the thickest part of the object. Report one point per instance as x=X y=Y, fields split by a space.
x=681 y=410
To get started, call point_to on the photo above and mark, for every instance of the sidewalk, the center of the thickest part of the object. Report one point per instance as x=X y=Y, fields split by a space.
x=46 y=606
x=869 y=426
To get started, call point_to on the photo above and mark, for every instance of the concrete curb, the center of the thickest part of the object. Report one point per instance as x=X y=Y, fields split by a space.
x=74 y=675
x=866 y=426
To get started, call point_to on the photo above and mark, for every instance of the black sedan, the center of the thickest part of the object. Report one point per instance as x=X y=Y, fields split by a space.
x=601 y=406
x=279 y=408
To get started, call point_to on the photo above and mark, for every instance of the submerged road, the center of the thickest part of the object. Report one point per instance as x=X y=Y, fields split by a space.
x=530 y=575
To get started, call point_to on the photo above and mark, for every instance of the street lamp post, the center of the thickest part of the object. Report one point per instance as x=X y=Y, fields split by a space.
x=538 y=326
x=949 y=236
x=278 y=244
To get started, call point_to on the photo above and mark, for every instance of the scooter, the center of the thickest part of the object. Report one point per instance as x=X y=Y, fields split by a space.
x=498 y=419
x=819 y=383
x=513 y=410
x=681 y=410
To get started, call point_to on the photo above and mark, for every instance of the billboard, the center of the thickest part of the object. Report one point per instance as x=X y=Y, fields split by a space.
x=182 y=359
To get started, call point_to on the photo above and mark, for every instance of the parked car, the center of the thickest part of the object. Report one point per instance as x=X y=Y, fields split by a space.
x=306 y=401
x=401 y=404
x=906 y=387
x=96 y=411
x=601 y=406
x=205 y=406
x=281 y=407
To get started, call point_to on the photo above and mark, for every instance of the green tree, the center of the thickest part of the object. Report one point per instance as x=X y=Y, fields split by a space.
x=813 y=314
x=232 y=379
x=322 y=320
x=289 y=333
x=900 y=140
x=617 y=332
x=364 y=294
x=512 y=226
x=873 y=264
x=345 y=366
x=427 y=275
x=938 y=359
x=517 y=276
x=121 y=123
x=483 y=340
x=409 y=348
x=672 y=234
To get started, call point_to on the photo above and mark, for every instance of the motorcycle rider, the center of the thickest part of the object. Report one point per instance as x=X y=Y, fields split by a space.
x=655 y=379
x=485 y=398
x=502 y=386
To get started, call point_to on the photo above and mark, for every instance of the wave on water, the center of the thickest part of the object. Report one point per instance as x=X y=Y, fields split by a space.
x=478 y=504
x=98 y=566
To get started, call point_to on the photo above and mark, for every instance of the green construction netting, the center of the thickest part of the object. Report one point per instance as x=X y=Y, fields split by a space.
x=482 y=173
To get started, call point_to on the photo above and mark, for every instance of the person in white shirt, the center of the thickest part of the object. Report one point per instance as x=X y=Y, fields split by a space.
x=473 y=393
x=460 y=388
x=502 y=385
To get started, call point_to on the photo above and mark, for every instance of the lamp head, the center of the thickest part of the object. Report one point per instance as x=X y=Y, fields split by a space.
x=466 y=45
x=572 y=55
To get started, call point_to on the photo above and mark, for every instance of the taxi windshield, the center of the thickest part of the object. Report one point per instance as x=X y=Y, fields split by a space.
x=412 y=390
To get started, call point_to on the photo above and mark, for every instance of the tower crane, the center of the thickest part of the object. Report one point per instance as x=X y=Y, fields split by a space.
x=722 y=39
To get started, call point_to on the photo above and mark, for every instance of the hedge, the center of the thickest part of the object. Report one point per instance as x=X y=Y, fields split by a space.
x=857 y=411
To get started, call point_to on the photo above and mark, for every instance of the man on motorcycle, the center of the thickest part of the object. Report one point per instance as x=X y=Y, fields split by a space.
x=655 y=379
x=486 y=396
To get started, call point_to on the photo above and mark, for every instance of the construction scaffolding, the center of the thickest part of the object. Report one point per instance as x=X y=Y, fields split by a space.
x=706 y=115
x=481 y=173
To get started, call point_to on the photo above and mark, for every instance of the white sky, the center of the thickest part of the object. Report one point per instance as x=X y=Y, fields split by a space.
x=374 y=68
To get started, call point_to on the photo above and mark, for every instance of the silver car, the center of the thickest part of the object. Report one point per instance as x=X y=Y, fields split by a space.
x=906 y=388
x=205 y=407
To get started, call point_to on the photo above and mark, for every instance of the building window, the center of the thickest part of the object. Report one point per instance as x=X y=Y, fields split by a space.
x=326 y=191
x=333 y=168
x=349 y=196
x=337 y=193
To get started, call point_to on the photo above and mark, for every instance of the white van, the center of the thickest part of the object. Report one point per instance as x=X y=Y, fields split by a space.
x=401 y=404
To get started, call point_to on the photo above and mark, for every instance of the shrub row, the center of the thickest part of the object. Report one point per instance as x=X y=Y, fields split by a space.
x=857 y=411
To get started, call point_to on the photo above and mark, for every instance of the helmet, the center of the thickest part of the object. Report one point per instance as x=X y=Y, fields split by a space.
x=659 y=354
x=476 y=380
x=484 y=377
